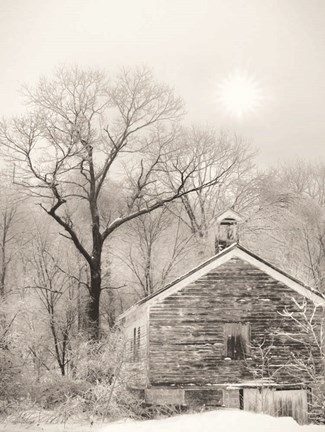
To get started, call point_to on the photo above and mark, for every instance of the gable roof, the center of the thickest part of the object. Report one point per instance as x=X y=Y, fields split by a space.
x=233 y=251
x=229 y=214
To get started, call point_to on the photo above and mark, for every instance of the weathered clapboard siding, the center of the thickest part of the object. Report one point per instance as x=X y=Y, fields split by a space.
x=186 y=332
x=136 y=355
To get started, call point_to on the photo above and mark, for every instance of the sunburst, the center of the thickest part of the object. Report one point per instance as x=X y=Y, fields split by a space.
x=240 y=94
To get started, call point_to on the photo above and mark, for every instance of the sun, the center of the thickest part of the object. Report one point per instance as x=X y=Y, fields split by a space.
x=239 y=94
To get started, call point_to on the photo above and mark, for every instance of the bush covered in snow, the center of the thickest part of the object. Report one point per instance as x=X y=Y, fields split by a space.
x=96 y=387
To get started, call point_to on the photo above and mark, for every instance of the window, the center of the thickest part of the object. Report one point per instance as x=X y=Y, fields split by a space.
x=138 y=343
x=135 y=348
x=236 y=339
x=135 y=344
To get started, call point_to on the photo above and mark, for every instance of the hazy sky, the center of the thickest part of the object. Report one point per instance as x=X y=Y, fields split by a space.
x=192 y=45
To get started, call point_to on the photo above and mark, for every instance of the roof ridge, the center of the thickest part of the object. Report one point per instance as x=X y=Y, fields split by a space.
x=180 y=278
x=225 y=251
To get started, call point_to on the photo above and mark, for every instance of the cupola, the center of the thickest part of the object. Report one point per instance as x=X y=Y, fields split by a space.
x=227 y=229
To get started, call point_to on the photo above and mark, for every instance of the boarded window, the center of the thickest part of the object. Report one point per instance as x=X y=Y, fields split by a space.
x=131 y=349
x=135 y=344
x=237 y=340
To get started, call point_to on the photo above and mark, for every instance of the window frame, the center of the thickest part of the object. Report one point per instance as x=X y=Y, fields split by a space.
x=135 y=344
x=240 y=331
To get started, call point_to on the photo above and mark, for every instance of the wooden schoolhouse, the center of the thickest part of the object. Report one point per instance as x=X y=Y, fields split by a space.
x=217 y=335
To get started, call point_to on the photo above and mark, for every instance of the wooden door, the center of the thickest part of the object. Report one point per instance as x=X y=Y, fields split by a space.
x=259 y=400
x=279 y=403
x=291 y=403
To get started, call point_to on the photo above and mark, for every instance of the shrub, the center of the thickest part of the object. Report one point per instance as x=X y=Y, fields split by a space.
x=96 y=388
x=12 y=384
x=55 y=390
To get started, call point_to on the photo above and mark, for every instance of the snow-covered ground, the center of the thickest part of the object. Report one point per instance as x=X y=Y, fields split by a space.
x=214 y=421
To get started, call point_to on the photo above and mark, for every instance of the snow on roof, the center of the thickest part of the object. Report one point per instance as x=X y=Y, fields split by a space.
x=229 y=214
x=233 y=251
x=266 y=382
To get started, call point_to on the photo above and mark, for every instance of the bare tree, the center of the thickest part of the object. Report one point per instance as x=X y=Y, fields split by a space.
x=307 y=183
x=310 y=363
x=85 y=137
x=237 y=188
x=287 y=226
x=57 y=292
x=304 y=179
x=158 y=246
x=8 y=234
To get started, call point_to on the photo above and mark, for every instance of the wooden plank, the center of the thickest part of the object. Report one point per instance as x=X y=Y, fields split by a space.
x=279 y=403
x=231 y=398
x=292 y=403
x=164 y=396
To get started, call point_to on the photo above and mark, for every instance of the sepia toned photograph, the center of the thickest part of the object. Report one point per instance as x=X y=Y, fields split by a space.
x=162 y=216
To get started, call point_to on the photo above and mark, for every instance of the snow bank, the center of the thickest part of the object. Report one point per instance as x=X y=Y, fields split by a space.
x=214 y=421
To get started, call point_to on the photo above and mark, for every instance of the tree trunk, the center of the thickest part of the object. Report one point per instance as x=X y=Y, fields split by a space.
x=3 y=256
x=93 y=302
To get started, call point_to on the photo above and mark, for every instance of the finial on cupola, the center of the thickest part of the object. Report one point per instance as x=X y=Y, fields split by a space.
x=227 y=229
